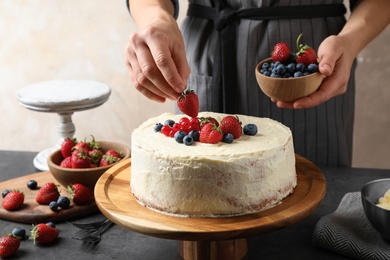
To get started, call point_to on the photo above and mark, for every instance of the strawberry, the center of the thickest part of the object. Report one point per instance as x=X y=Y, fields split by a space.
x=108 y=159
x=48 y=193
x=81 y=147
x=9 y=244
x=205 y=120
x=67 y=162
x=94 y=145
x=80 y=160
x=114 y=153
x=13 y=200
x=281 y=52
x=43 y=234
x=80 y=194
x=188 y=103
x=306 y=54
x=232 y=125
x=95 y=156
x=67 y=146
x=210 y=134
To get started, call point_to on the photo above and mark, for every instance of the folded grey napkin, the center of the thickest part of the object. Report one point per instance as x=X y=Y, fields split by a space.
x=347 y=231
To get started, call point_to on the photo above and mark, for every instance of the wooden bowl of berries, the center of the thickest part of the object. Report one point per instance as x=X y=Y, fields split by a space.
x=288 y=76
x=84 y=162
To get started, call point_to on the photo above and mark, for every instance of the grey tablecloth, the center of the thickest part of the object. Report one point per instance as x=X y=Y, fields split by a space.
x=347 y=231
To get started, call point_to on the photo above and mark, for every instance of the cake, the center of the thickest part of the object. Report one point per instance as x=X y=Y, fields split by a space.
x=251 y=174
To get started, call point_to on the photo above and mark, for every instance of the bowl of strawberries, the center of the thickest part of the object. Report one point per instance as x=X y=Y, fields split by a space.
x=84 y=162
x=288 y=76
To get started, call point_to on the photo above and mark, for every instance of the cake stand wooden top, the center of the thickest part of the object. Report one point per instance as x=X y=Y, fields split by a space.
x=114 y=199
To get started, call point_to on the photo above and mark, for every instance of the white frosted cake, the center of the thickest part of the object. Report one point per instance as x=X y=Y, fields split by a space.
x=251 y=174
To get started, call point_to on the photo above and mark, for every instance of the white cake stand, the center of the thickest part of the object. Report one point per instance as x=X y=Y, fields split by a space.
x=63 y=97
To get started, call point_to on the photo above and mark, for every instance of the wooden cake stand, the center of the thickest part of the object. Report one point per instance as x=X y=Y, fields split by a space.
x=63 y=97
x=207 y=238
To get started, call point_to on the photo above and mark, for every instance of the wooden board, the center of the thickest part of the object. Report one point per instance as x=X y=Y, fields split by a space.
x=114 y=199
x=31 y=211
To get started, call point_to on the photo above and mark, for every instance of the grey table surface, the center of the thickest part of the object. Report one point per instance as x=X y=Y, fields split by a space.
x=293 y=242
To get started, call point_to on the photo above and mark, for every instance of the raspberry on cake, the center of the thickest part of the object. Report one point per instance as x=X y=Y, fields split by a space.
x=253 y=173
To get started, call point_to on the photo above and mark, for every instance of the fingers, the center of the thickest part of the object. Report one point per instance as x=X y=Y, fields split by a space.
x=155 y=69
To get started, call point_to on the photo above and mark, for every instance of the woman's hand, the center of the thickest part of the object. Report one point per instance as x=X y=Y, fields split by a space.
x=335 y=63
x=156 y=61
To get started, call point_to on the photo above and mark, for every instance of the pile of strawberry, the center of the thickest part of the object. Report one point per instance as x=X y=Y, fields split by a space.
x=86 y=154
x=286 y=64
x=42 y=233
x=48 y=194
x=205 y=130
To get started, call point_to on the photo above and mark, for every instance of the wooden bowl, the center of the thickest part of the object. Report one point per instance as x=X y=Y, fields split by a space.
x=287 y=89
x=88 y=176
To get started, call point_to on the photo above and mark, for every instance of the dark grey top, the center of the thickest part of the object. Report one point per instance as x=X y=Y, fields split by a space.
x=322 y=134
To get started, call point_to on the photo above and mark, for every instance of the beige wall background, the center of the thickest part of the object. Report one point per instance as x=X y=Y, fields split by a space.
x=50 y=40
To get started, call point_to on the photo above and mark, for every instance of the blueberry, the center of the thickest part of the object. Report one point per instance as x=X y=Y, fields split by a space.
x=195 y=135
x=312 y=68
x=291 y=68
x=63 y=202
x=169 y=122
x=265 y=65
x=228 y=138
x=179 y=135
x=19 y=232
x=5 y=192
x=282 y=68
x=188 y=140
x=51 y=224
x=273 y=75
x=32 y=184
x=286 y=75
x=53 y=205
x=300 y=67
x=157 y=127
x=279 y=69
x=306 y=73
x=267 y=73
x=250 y=129
x=298 y=74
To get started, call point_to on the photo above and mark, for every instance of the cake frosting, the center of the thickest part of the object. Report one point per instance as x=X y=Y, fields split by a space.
x=251 y=174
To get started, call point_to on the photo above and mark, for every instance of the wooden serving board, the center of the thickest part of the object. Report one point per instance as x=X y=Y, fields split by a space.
x=31 y=211
x=114 y=199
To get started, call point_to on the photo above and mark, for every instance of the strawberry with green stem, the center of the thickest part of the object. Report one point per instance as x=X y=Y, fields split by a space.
x=210 y=134
x=306 y=54
x=188 y=103
x=80 y=194
x=43 y=234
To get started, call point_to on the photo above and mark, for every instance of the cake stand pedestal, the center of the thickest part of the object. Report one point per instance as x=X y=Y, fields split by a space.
x=207 y=238
x=63 y=97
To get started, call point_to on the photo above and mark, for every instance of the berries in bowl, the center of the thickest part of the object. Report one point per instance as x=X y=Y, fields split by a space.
x=288 y=76
x=84 y=162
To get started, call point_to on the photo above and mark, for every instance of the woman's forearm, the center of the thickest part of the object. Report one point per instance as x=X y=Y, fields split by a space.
x=145 y=12
x=368 y=20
